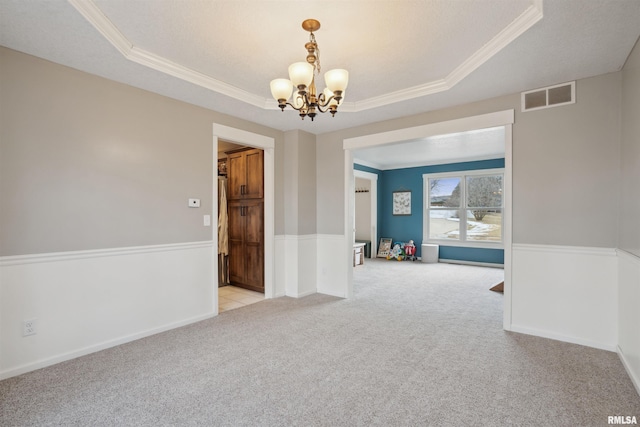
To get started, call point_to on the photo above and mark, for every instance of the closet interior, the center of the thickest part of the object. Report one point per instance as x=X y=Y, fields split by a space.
x=240 y=216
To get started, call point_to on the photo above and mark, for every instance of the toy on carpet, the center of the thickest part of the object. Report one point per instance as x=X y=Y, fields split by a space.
x=402 y=251
x=410 y=251
x=397 y=252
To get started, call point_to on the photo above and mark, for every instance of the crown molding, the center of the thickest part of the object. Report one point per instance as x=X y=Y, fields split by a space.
x=512 y=31
x=171 y=68
x=93 y=14
x=100 y=22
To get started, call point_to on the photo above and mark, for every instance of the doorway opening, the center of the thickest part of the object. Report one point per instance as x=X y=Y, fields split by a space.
x=502 y=119
x=365 y=228
x=223 y=135
x=240 y=225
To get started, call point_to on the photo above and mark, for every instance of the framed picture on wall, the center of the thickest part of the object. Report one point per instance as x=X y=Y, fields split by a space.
x=402 y=202
x=385 y=247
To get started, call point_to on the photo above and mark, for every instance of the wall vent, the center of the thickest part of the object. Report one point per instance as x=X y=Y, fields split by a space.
x=547 y=97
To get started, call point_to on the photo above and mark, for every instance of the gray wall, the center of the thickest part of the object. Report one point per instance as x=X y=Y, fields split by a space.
x=306 y=183
x=566 y=165
x=330 y=183
x=566 y=168
x=299 y=183
x=87 y=163
x=629 y=235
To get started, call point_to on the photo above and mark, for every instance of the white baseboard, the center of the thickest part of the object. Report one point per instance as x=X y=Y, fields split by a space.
x=565 y=293
x=296 y=265
x=560 y=337
x=18 y=370
x=628 y=303
x=332 y=293
x=302 y=294
x=476 y=263
x=85 y=301
x=627 y=366
x=310 y=263
x=332 y=273
x=307 y=265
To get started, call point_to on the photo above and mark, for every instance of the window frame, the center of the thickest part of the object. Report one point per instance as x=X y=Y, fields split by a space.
x=462 y=242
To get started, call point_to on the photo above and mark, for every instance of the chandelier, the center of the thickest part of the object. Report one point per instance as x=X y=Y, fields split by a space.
x=302 y=77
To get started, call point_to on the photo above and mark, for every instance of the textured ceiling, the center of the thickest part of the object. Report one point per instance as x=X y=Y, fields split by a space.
x=404 y=57
x=482 y=144
x=232 y=40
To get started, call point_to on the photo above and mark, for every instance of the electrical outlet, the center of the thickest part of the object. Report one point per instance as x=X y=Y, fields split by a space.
x=29 y=327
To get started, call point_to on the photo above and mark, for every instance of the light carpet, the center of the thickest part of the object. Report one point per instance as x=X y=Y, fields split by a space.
x=418 y=345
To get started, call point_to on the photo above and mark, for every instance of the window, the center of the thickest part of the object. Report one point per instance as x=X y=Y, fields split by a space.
x=464 y=207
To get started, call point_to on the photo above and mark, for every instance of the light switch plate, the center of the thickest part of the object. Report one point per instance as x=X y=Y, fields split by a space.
x=194 y=203
x=207 y=220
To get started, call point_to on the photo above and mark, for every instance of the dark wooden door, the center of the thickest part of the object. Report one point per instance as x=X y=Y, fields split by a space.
x=245 y=174
x=254 y=244
x=254 y=166
x=246 y=244
x=245 y=194
x=236 y=242
x=237 y=173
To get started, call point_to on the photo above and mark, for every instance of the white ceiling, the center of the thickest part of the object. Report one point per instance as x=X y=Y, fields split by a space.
x=481 y=144
x=404 y=56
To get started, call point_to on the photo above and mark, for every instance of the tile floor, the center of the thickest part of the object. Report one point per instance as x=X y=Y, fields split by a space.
x=230 y=297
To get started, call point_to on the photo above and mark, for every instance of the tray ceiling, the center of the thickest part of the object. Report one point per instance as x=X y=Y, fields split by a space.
x=404 y=57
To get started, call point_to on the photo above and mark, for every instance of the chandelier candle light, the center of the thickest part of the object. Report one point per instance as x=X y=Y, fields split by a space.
x=302 y=77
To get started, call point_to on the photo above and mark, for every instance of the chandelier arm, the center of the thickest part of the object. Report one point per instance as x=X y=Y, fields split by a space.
x=305 y=102
x=297 y=109
x=324 y=102
x=319 y=107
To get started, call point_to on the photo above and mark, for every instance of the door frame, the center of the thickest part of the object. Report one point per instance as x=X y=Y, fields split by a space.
x=373 y=178
x=503 y=118
x=267 y=144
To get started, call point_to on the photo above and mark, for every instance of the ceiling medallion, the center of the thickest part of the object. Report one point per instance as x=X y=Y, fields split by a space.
x=302 y=76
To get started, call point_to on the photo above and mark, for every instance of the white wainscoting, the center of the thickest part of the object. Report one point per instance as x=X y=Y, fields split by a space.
x=287 y=274
x=307 y=265
x=280 y=258
x=566 y=293
x=310 y=263
x=332 y=273
x=85 y=301
x=296 y=265
x=628 y=321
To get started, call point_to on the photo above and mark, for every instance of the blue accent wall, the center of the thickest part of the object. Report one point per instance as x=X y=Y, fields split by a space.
x=491 y=256
x=367 y=169
x=405 y=228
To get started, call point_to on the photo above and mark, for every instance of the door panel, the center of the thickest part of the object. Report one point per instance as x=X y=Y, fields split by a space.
x=236 y=221
x=237 y=175
x=255 y=172
x=253 y=221
x=237 y=261
x=255 y=266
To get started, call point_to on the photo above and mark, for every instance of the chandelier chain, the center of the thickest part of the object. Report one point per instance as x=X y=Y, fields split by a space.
x=316 y=64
